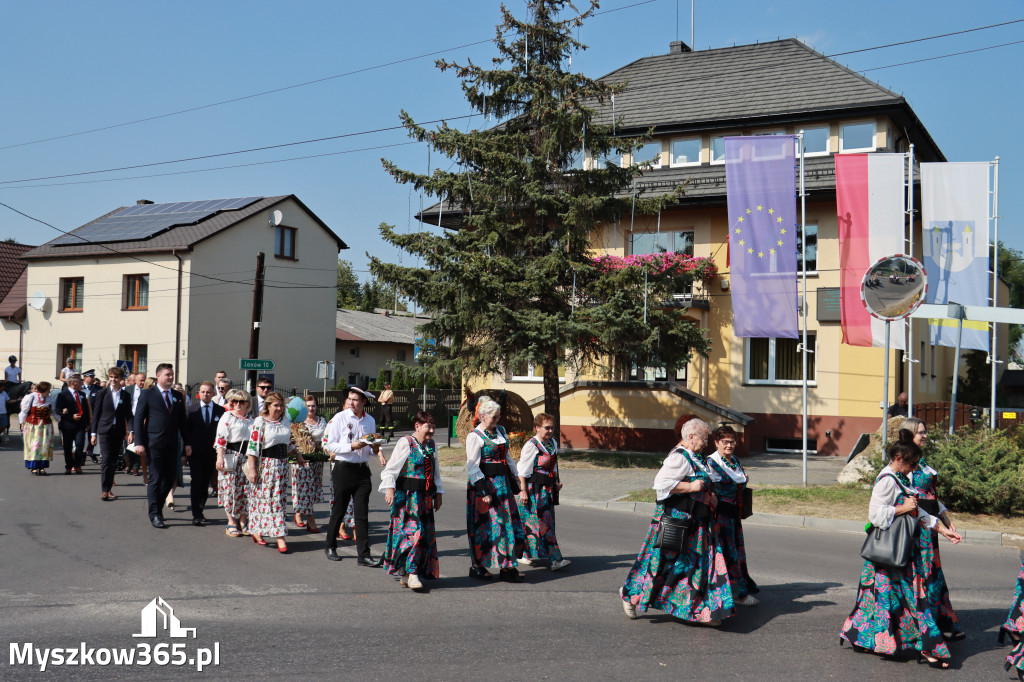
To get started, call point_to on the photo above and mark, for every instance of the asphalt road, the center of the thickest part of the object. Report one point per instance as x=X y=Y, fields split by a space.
x=76 y=570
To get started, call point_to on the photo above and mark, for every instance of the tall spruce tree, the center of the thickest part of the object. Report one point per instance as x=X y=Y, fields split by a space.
x=517 y=282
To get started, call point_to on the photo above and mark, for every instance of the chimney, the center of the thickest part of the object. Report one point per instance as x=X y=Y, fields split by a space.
x=678 y=47
x=143 y=202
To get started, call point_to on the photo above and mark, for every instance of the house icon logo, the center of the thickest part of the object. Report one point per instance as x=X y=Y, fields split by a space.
x=158 y=617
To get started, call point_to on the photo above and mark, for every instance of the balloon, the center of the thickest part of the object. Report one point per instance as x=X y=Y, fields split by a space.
x=295 y=407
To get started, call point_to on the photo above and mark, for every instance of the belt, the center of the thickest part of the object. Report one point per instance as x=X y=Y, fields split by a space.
x=687 y=504
x=236 y=447
x=411 y=484
x=728 y=509
x=542 y=479
x=276 y=452
x=492 y=469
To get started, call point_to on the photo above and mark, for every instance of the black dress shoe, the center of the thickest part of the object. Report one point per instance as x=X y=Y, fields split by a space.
x=370 y=561
x=157 y=522
x=511 y=575
x=201 y=517
x=480 y=573
x=197 y=522
x=332 y=554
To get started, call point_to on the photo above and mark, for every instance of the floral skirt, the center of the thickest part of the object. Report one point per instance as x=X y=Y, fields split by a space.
x=412 y=542
x=307 y=486
x=495 y=532
x=692 y=585
x=38 y=446
x=929 y=566
x=1015 y=624
x=267 y=499
x=233 y=490
x=538 y=516
x=889 y=617
x=730 y=535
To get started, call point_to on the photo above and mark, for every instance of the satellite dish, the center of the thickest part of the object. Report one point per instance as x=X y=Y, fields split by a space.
x=38 y=300
x=276 y=218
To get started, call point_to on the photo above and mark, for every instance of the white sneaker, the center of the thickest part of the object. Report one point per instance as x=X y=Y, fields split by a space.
x=414 y=582
x=405 y=581
x=627 y=606
x=560 y=564
x=525 y=562
x=749 y=600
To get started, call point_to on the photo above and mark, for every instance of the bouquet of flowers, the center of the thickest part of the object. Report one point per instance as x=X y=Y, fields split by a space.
x=311 y=448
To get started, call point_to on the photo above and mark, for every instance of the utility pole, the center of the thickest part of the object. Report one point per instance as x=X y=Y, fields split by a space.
x=257 y=316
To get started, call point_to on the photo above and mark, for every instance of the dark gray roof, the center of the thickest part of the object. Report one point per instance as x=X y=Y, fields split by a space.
x=743 y=84
x=181 y=238
x=355 y=325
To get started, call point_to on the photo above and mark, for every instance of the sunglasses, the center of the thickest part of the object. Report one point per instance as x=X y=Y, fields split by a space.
x=263 y=388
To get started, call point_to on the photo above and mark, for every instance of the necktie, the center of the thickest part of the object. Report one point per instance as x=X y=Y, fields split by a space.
x=206 y=414
x=167 y=400
x=78 y=402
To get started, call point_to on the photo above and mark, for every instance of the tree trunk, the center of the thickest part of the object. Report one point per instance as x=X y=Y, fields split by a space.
x=552 y=397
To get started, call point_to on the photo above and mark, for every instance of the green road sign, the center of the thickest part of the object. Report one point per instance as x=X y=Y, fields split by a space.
x=258 y=365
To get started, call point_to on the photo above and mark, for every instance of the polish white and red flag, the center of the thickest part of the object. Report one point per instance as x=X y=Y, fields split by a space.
x=871 y=208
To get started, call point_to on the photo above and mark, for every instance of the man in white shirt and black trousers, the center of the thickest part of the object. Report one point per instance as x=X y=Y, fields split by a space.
x=351 y=473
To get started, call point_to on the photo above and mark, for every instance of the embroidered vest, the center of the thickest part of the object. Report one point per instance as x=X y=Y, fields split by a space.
x=493 y=453
x=547 y=458
x=420 y=464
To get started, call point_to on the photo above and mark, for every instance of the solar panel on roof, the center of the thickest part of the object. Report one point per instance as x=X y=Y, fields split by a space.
x=146 y=221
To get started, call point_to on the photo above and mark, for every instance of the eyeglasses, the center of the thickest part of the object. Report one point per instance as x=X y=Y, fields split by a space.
x=723 y=443
x=263 y=388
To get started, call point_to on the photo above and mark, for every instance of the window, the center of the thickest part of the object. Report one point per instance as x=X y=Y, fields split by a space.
x=760 y=154
x=136 y=355
x=530 y=371
x=685 y=152
x=72 y=294
x=775 y=444
x=400 y=355
x=650 y=152
x=857 y=137
x=354 y=352
x=664 y=242
x=718 y=147
x=136 y=292
x=69 y=351
x=353 y=379
x=638 y=373
x=816 y=141
x=575 y=160
x=920 y=361
x=812 y=248
x=284 y=242
x=601 y=161
x=776 y=361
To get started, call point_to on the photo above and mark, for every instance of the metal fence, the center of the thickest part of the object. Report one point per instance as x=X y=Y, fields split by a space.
x=933 y=414
x=442 y=403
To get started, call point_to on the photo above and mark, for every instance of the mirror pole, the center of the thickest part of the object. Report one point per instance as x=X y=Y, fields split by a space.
x=885 y=392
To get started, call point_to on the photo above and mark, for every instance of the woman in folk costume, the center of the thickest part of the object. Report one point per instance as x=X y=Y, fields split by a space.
x=411 y=483
x=308 y=478
x=36 y=419
x=538 y=476
x=1014 y=627
x=691 y=583
x=925 y=480
x=732 y=480
x=270 y=445
x=233 y=431
x=889 y=615
x=492 y=518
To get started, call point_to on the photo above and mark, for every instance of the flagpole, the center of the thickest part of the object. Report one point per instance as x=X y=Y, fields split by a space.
x=803 y=307
x=995 y=284
x=910 y=322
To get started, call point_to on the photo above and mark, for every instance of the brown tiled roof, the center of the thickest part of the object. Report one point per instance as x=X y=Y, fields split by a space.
x=180 y=238
x=13 y=280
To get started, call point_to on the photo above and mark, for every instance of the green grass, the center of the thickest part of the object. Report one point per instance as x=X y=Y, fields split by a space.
x=572 y=459
x=828 y=496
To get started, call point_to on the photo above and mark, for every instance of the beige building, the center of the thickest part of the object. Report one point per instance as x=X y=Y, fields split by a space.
x=692 y=100
x=367 y=343
x=158 y=283
x=13 y=279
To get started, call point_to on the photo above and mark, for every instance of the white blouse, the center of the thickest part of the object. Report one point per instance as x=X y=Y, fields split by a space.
x=528 y=458
x=33 y=399
x=882 y=509
x=273 y=433
x=317 y=430
x=673 y=470
x=474 y=449
x=396 y=465
x=233 y=429
x=737 y=476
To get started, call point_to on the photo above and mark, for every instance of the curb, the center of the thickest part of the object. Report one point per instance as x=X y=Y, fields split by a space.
x=989 y=538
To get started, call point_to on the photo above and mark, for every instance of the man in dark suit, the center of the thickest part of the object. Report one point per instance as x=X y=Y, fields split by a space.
x=263 y=386
x=74 y=413
x=202 y=432
x=90 y=387
x=159 y=421
x=111 y=424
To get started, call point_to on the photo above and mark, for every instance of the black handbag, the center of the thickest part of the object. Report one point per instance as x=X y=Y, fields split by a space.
x=893 y=546
x=746 y=503
x=672 y=534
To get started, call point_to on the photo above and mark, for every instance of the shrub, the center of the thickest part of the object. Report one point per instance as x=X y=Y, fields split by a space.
x=979 y=470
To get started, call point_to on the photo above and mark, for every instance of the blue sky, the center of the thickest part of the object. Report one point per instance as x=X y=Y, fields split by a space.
x=74 y=66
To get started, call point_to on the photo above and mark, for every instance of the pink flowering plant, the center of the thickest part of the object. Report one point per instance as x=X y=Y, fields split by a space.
x=667 y=264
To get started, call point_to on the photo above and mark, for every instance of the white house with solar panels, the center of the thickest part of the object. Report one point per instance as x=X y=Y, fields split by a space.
x=173 y=282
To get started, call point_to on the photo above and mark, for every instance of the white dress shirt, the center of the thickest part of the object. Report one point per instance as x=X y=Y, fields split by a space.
x=346 y=428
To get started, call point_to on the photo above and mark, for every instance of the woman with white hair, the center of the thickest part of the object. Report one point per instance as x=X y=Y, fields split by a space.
x=681 y=569
x=495 y=531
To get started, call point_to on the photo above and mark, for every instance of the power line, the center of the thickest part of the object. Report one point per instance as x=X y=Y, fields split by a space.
x=284 y=88
x=942 y=56
x=918 y=40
